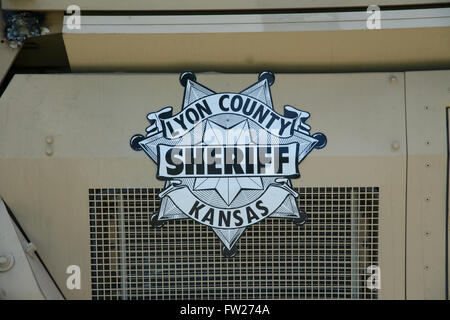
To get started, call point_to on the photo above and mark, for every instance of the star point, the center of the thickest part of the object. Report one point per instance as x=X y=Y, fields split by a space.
x=228 y=188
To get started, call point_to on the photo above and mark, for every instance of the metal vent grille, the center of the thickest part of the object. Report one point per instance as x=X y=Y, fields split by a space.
x=326 y=258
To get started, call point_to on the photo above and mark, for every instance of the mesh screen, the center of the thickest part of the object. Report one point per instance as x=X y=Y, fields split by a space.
x=326 y=258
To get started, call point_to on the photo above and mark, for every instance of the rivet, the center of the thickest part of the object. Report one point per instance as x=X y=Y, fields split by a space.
x=427 y=164
x=49 y=139
x=6 y=262
x=427 y=107
x=427 y=198
x=30 y=248
x=393 y=80
x=427 y=142
x=427 y=234
x=3 y=261
x=426 y=267
x=395 y=145
x=49 y=150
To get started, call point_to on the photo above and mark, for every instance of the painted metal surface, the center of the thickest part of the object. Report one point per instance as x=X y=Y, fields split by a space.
x=25 y=277
x=241 y=23
x=362 y=114
x=427 y=97
x=294 y=51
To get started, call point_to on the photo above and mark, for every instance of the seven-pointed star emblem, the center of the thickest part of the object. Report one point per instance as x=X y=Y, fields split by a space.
x=209 y=156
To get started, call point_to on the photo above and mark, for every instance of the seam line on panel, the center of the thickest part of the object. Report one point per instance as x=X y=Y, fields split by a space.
x=406 y=186
x=446 y=207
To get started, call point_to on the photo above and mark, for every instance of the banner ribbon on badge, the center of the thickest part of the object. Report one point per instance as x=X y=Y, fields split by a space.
x=229 y=218
x=175 y=126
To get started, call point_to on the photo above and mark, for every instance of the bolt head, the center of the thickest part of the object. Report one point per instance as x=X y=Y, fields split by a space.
x=395 y=145
x=3 y=261
x=393 y=80
x=48 y=151
x=49 y=139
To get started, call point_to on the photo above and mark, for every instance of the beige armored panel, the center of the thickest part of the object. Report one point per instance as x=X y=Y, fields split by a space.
x=22 y=274
x=71 y=178
x=427 y=102
x=295 y=42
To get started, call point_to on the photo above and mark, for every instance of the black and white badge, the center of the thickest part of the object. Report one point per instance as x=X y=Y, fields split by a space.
x=227 y=158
